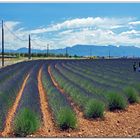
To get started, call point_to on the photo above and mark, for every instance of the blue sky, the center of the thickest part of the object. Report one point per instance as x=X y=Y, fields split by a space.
x=67 y=24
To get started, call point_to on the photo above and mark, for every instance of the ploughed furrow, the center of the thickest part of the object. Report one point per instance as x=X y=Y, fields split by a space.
x=95 y=84
x=77 y=94
x=8 y=72
x=77 y=85
x=9 y=90
x=61 y=112
x=74 y=106
x=11 y=113
x=115 y=72
x=96 y=75
x=47 y=119
x=55 y=83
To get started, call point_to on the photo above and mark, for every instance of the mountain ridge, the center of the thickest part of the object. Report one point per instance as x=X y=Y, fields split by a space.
x=88 y=50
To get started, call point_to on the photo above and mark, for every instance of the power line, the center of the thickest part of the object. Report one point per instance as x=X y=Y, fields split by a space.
x=33 y=41
x=36 y=43
x=14 y=33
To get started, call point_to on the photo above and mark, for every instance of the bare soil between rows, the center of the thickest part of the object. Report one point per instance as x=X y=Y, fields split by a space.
x=115 y=124
x=11 y=112
x=48 y=124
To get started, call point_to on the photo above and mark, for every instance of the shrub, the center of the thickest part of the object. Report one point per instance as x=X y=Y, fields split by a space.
x=116 y=101
x=131 y=94
x=137 y=87
x=66 y=118
x=26 y=122
x=94 y=109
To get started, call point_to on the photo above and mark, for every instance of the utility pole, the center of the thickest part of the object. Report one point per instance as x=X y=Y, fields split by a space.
x=124 y=54
x=90 y=51
x=47 y=50
x=2 y=45
x=133 y=55
x=109 y=54
x=29 y=53
x=66 y=52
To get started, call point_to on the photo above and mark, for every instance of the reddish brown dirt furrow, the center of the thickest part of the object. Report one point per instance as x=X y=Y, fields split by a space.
x=75 y=107
x=79 y=114
x=48 y=125
x=11 y=112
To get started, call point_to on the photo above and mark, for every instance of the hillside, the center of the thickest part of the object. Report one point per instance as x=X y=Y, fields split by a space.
x=88 y=50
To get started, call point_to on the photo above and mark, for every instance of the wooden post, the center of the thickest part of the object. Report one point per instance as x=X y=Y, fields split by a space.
x=90 y=51
x=2 y=45
x=109 y=54
x=47 y=50
x=66 y=52
x=29 y=53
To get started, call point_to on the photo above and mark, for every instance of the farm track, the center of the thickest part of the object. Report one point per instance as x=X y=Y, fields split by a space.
x=48 y=125
x=12 y=110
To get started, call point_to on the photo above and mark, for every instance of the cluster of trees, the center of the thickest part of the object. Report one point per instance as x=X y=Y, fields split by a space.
x=17 y=55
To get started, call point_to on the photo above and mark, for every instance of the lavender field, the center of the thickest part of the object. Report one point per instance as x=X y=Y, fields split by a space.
x=49 y=96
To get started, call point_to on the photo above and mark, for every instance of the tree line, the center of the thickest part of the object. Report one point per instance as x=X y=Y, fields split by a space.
x=18 y=55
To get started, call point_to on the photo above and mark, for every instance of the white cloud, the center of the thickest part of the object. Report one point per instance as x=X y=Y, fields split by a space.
x=65 y=32
x=132 y=34
x=99 y=31
x=117 y=26
x=134 y=23
x=97 y=22
x=37 y=31
x=12 y=24
x=90 y=22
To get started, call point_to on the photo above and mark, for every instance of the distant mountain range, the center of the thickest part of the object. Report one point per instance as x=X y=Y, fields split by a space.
x=89 y=50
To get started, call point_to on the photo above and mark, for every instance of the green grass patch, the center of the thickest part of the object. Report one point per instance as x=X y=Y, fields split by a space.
x=66 y=119
x=26 y=122
x=94 y=109
x=131 y=94
x=116 y=101
x=137 y=88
